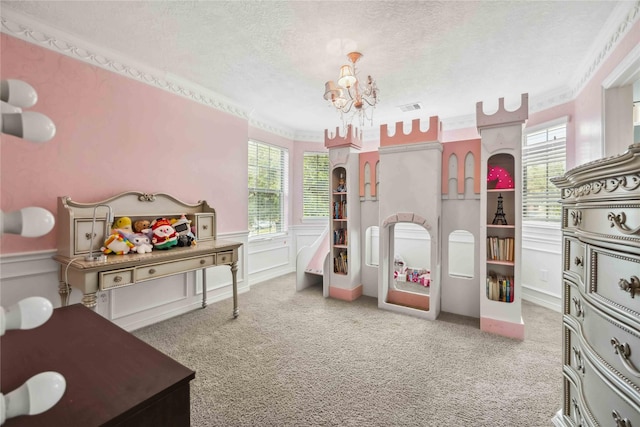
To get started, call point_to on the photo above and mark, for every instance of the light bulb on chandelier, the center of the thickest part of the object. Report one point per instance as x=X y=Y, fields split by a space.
x=351 y=97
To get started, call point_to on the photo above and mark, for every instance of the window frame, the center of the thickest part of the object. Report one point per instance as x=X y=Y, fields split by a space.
x=280 y=171
x=553 y=194
x=322 y=191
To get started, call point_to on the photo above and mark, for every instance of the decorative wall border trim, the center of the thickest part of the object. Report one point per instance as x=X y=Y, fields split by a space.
x=36 y=32
x=26 y=264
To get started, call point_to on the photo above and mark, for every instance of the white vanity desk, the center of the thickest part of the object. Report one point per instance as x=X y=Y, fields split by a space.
x=75 y=225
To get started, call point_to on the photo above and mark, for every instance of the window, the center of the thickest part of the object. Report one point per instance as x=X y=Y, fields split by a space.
x=315 y=192
x=267 y=188
x=543 y=157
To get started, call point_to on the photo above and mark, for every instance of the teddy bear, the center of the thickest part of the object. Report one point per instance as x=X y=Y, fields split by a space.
x=186 y=237
x=164 y=235
x=141 y=242
x=117 y=243
x=143 y=226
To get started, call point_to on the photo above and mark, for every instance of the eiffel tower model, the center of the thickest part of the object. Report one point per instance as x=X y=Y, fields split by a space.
x=499 y=218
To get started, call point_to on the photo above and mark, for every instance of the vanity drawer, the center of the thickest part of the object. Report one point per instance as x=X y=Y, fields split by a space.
x=154 y=271
x=574 y=259
x=224 y=258
x=115 y=279
x=205 y=226
x=82 y=233
x=611 y=274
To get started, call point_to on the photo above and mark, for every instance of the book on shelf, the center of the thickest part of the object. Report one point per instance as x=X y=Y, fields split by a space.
x=500 y=287
x=340 y=209
x=500 y=248
x=340 y=263
x=340 y=236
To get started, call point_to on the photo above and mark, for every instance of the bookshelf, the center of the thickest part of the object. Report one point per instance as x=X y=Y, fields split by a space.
x=339 y=219
x=500 y=220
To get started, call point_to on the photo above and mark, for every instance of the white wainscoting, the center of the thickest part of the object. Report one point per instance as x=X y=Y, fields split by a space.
x=271 y=257
x=541 y=271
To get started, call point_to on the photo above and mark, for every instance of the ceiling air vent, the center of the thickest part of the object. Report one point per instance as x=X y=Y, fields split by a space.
x=411 y=107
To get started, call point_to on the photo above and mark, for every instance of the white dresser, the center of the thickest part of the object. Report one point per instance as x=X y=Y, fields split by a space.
x=601 y=292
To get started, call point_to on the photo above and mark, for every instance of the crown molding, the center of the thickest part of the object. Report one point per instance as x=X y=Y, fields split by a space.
x=38 y=33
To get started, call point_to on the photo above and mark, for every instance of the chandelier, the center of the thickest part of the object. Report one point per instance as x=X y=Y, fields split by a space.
x=351 y=97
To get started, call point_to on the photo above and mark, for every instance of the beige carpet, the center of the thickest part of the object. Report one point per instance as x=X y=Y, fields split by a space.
x=298 y=359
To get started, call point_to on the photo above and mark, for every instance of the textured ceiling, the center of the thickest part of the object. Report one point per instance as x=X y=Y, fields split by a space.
x=273 y=57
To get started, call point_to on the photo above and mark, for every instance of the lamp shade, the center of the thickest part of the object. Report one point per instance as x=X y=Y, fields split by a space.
x=347 y=79
x=18 y=93
x=28 y=222
x=331 y=90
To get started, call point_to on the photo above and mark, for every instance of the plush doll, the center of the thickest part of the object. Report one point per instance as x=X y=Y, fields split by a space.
x=141 y=242
x=117 y=243
x=186 y=237
x=124 y=224
x=164 y=235
x=143 y=226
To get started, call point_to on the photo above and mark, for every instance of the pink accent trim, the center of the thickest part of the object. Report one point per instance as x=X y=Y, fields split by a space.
x=500 y=327
x=416 y=135
x=408 y=299
x=503 y=117
x=345 y=294
x=353 y=138
x=373 y=158
x=461 y=149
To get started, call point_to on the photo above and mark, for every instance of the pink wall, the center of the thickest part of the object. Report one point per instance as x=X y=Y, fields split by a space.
x=115 y=134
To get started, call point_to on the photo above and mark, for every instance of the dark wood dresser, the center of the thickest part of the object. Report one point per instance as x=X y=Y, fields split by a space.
x=113 y=378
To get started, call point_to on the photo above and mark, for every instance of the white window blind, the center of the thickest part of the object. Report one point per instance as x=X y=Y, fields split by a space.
x=268 y=173
x=315 y=193
x=543 y=157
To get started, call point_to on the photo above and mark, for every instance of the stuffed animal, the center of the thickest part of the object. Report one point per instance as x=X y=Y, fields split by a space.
x=164 y=235
x=143 y=226
x=141 y=242
x=117 y=243
x=186 y=237
x=123 y=223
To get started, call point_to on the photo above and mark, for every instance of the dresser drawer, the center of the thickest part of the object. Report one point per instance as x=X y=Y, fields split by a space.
x=605 y=402
x=616 y=343
x=574 y=303
x=205 y=226
x=571 y=218
x=606 y=220
x=154 y=271
x=611 y=274
x=224 y=258
x=576 y=354
x=574 y=259
x=115 y=279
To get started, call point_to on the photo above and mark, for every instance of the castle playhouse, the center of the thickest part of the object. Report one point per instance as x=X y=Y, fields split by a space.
x=436 y=188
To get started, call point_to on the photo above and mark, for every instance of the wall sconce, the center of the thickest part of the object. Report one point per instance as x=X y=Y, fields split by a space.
x=38 y=394
x=27 y=222
x=109 y=219
x=30 y=125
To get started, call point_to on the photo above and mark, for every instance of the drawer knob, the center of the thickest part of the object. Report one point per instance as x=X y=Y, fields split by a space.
x=152 y=271
x=578 y=305
x=117 y=279
x=632 y=287
x=88 y=235
x=577 y=217
x=620 y=422
x=619 y=222
x=577 y=357
x=579 y=262
x=205 y=227
x=202 y=262
x=624 y=352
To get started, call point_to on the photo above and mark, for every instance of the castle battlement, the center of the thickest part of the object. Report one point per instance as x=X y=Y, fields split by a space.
x=415 y=136
x=353 y=138
x=503 y=117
